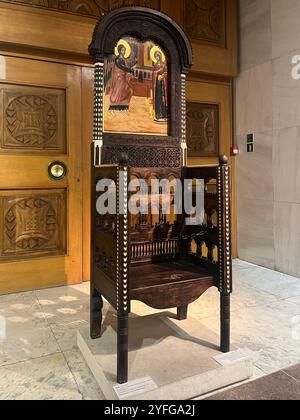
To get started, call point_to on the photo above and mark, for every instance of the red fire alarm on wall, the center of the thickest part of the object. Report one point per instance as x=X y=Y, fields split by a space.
x=234 y=150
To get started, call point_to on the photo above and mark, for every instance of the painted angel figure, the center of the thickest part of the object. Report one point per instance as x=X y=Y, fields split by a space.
x=119 y=86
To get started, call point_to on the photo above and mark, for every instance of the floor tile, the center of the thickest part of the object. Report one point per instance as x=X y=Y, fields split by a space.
x=25 y=331
x=269 y=333
x=22 y=306
x=84 y=378
x=294 y=372
x=241 y=265
x=294 y=299
x=63 y=295
x=47 y=378
x=21 y=345
x=65 y=326
x=275 y=283
x=277 y=386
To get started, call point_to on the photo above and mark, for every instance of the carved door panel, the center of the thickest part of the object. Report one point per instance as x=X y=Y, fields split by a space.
x=40 y=215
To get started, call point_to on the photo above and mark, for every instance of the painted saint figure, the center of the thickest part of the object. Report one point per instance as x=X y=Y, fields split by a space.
x=160 y=85
x=119 y=86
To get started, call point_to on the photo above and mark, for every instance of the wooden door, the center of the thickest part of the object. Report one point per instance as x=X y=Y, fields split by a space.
x=40 y=218
x=209 y=128
x=87 y=127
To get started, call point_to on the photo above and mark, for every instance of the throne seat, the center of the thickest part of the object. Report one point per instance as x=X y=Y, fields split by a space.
x=170 y=284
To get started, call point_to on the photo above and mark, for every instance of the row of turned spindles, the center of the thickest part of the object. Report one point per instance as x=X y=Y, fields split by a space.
x=158 y=248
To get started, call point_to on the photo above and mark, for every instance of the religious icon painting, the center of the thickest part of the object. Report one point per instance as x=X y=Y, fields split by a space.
x=136 y=97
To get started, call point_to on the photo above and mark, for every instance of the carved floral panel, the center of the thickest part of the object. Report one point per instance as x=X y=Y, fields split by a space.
x=202 y=129
x=33 y=224
x=82 y=7
x=33 y=119
x=94 y=8
x=205 y=20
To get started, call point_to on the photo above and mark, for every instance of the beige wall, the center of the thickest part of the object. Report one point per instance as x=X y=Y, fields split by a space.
x=268 y=104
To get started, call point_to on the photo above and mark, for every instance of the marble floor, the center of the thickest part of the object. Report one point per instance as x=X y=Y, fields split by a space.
x=283 y=385
x=39 y=358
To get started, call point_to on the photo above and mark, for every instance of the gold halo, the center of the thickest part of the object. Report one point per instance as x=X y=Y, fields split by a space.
x=154 y=50
x=126 y=45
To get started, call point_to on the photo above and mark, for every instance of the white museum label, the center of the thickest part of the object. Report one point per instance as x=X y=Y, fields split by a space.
x=133 y=388
x=231 y=358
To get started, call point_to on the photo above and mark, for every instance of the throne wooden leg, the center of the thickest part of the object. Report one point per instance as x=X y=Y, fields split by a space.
x=122 y=374
x=182 y=312
x=96 y=312
x=225 y=323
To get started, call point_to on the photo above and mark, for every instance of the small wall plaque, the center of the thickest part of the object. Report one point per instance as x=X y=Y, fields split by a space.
x=250 y=143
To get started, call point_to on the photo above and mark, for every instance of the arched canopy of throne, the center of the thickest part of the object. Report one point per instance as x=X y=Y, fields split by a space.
x=146 y=24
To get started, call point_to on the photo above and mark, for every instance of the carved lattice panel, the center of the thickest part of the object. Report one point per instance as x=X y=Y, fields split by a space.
x=202 y=129
x=205 y=20
x=32 y=119
x=142 y=157
x=33 y=224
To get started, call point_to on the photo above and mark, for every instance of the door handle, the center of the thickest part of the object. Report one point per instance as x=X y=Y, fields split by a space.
x=57 y=170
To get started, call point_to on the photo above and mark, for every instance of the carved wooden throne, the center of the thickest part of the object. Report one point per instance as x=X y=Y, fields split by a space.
x=155 y=259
